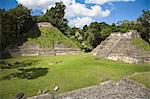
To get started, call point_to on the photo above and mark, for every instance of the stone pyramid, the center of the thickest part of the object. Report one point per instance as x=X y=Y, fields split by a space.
x=118 y=46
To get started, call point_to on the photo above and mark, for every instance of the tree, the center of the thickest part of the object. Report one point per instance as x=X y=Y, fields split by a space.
x=95 y=33
x=55 y=16
x=105 y=33
x=15 y=23
x=90 y=36
x=144 y=25
x=125 y=26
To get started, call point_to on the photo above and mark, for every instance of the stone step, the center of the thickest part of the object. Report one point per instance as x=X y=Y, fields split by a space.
x=106 y=46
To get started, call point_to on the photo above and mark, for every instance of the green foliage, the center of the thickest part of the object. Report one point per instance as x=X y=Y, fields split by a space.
x=106 y=32
x=90 y=36
x=8 y=30
x=15 y=24
x=144 y=25
x=125 y=26
x=41 y=18
x=55 y=16
x=141 y=44
x=50 y=36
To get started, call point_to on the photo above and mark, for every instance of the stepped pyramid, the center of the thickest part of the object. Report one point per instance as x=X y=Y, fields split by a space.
x=118 y=46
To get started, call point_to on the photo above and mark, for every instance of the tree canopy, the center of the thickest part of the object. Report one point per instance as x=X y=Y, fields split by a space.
x=15 y=24
x=144 y=25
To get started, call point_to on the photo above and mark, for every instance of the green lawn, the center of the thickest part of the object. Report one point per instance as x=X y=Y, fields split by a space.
x=68 y=72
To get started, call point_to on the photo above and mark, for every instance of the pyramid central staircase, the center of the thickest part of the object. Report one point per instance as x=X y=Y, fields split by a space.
x=105 y=48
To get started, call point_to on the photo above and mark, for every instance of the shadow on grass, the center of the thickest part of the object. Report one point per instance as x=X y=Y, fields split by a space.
x=5 y=65
x=31 y=73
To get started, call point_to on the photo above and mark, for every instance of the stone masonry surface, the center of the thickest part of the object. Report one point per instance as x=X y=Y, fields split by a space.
x=123 y=89
x=118 y=46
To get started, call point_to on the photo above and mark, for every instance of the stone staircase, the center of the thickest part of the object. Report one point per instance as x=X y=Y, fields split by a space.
x=104 y=49
x=125 y=47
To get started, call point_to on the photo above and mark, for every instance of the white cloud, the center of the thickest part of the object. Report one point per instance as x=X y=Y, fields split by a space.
x=42 y=4
x=73 y=8
x=37 y=4
x=79 y=15
x=80 y=22
x=100 y=2
x=78 y=9
x=76 y=13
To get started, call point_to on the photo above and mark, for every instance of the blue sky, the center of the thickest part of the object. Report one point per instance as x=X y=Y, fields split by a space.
x=83 y=12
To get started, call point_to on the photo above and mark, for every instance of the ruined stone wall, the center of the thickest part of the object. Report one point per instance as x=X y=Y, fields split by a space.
x=35 y=50
x=127 y=35
x=128 y=59
x=44 y=24
x=43 y=52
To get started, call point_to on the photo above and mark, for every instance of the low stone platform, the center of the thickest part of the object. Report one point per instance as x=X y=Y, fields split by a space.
x=124 y=89
x=35 y=50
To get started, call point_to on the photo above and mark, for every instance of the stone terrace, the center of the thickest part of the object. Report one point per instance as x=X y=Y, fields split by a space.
x=118 y=46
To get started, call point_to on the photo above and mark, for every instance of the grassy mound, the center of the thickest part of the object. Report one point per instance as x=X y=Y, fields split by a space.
x=68 y=72
x=50 y=36
x=142 y=78
x=139 y=42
